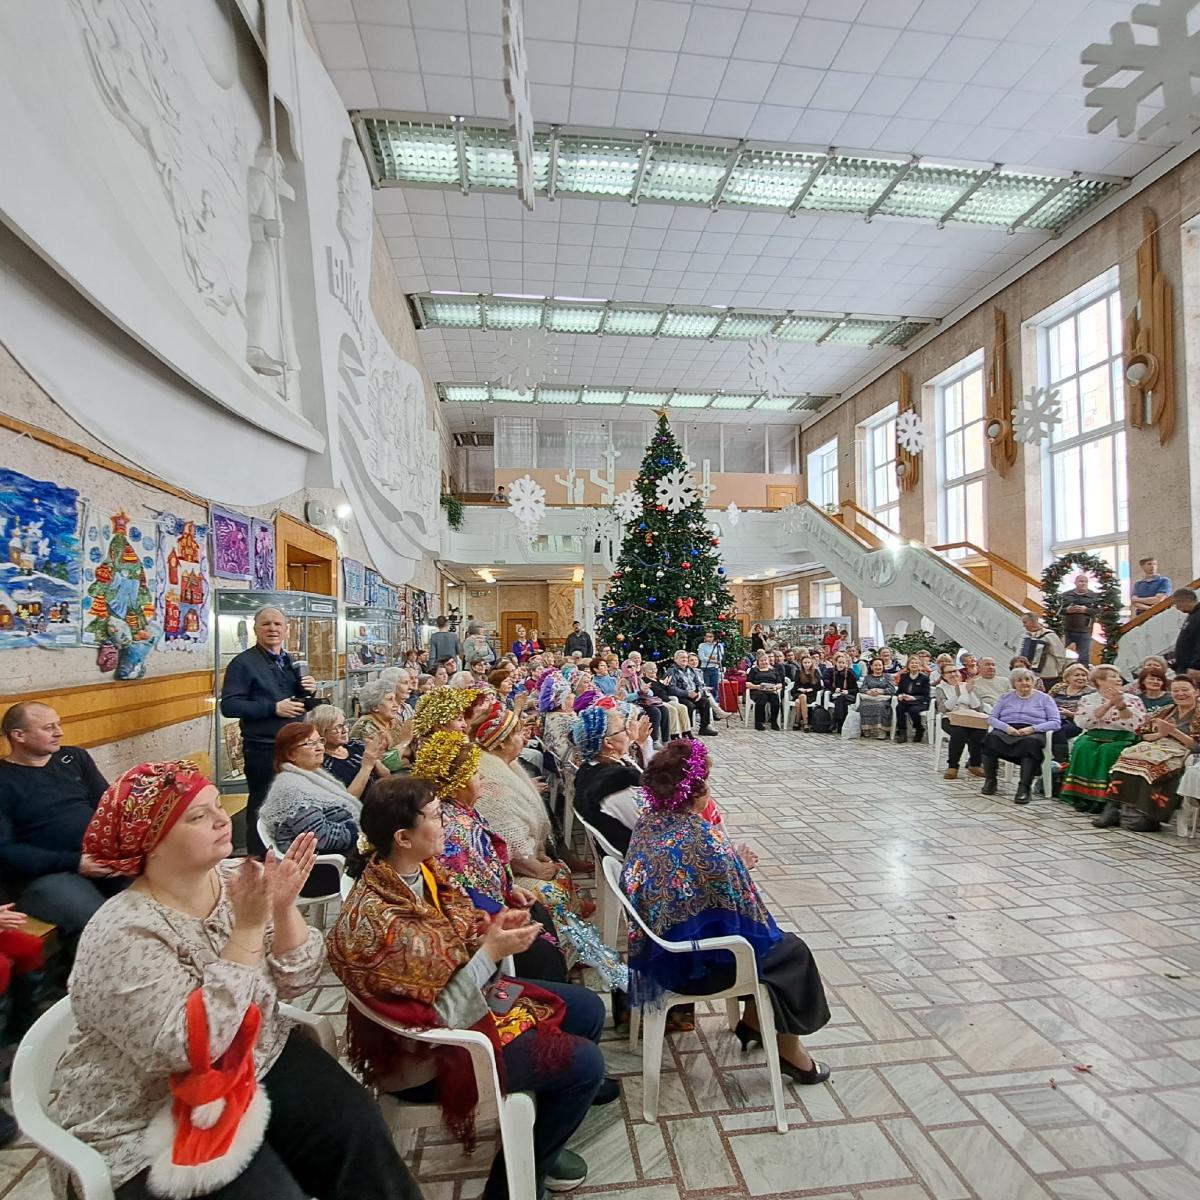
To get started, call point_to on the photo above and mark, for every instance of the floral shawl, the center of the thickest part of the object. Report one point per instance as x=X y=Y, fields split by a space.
x=476 y=857
x=403 y=956
x=687 y=882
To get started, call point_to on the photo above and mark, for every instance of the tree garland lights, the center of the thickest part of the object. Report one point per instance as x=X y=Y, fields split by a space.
x=668 y=589
x=1110 y=596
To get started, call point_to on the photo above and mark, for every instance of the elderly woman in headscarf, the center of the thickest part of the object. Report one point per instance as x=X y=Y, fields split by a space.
x=474 y=855
x=513 y=808
x=176 y=998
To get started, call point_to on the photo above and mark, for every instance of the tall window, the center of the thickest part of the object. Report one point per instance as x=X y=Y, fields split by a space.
x=787 y=601
x=883 y=489
x=828 y=599
x=823 y=474
x=1080 y=356
x=961 y=456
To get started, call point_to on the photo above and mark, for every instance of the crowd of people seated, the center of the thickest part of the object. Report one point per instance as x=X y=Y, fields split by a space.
x=447 y=802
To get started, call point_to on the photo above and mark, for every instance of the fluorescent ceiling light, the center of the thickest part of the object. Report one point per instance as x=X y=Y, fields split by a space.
x=474 y=154
x=433 y=311
x=566 y=394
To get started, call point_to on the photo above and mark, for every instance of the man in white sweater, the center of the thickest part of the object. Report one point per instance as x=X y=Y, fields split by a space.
x=987 y=685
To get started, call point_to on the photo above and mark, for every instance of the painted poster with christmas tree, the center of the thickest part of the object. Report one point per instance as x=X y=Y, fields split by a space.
x=668 y=588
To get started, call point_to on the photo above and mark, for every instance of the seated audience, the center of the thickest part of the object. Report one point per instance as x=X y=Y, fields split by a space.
x=940 y=664
x=1018 y=722
x=1143 y=784
x=602 y=681
x=352 y=763
x=842 y=685
x=424 y=684
x=377 y=703
x=1152 y=685
x=653 y=706
x=687 y=686
x=958 y=705
x=887 y=656
x=1107 y=718
x=512 y=807
x=987 y=685
x=875 y=693
x=305 y=798
x=968 y=664
x=608 y=785
x=679 y=719
x=807 y=687
x=409 y=945
x=477 y=647
x=912 y=699
x=1067 y=694
x=687 y=882
x=444 y=709
x=48 y=795
x=764 y=684
x=502 y=681
x=475 y=857
x=198 y=953
x=20 y=967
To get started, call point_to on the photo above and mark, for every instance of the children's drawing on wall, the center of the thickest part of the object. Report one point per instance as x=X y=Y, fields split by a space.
x=262 y=563
x=119 y=611
x=39 y=575
x=182 y=592
x=354 y=581
x=230 y=544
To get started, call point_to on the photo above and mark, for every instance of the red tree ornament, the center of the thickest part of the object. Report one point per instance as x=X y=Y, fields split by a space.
x=685 y=606
x=687 y=566
x=671 y=631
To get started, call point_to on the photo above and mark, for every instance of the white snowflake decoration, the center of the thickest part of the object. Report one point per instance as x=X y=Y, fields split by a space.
x=1163 y=68
x=766 y=371
x=527 y=502
x=627 y=505
x=1035 y=416
x=525 y=362
x=910 y=433
x=733 y=513
x=676 y=491
x=594 y=522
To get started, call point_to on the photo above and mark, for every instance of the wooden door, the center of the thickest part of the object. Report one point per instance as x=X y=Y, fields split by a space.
x=508 y=627
x=779 y=495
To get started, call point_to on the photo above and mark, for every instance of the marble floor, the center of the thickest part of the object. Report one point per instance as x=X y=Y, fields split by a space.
x=1016 y=1005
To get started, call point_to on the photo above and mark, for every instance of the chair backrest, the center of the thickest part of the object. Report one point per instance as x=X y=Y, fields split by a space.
x=483 y=1058
x=610 y=851
x=612 y=874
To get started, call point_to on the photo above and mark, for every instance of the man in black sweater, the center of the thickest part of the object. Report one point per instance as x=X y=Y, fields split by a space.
x=264 y=690
x=48 y=793
x=578 y=639
x=1187 y=645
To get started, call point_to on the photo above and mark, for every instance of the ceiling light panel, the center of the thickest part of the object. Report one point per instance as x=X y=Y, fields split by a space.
x=481 y=393
x=603 y=395
x=805 y=329
x=648 y=399
x=511 y=314
x=691 y=399
x=691 y=324
x=745 y=326
x=859 y=333
x=633 y=322
x=775 y=403
x=452 y=312
x=574 y=318
x=423 y=151
x=558 y=395
x=733 y=403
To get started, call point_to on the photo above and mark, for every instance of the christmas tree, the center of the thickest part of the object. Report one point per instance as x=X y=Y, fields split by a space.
x=668 y=588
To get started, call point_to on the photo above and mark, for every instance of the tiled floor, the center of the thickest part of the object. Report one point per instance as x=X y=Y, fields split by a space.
x=1016 y=1004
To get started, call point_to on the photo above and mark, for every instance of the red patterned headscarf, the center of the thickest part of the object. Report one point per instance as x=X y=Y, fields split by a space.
x=138 y=811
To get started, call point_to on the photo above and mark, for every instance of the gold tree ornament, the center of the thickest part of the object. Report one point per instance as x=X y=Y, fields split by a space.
x=1150 y=341
x=1002 y=445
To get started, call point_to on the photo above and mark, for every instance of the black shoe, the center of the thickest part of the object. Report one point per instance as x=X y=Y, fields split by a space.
x=747 y=1036
x=818 y=1073
x=708 y=731
x=1144 y=825
x=989 y=786
x=620 y=1009
x=918 y=734
x=1022 y=796
x=775 y=727
x=757 y=729
x=8 y=1130
x=1109 y=817
x=607 y=1092
x=901 y=736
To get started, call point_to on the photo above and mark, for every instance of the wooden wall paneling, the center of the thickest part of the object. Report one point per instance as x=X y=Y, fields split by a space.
x=305 y=557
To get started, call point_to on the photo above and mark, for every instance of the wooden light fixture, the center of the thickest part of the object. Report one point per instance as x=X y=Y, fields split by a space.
x=908 y=466
x=1150 y=341
x=1002 y=446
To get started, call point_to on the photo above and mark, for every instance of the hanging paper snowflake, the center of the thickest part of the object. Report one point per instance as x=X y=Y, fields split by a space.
x=910 y=433
x=525 y=362
x=733 y=513
x=676 y=491
x=1155 y=71
x=627 y=505
x=766 y=371
x=594 y=522
x=527 y=501
x=1035 y=416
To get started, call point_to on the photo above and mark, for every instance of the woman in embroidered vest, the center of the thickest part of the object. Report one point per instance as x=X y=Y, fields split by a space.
x=411 y=945
x=175 y=995
x=475 y=856
x=688 y=881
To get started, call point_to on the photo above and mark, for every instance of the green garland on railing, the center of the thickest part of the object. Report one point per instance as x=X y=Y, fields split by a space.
x=911 y=643
x=452 y=506
x=1110 y=596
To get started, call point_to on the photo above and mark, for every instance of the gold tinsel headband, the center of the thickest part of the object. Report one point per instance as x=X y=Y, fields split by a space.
x=447 y=760
x=440 y=706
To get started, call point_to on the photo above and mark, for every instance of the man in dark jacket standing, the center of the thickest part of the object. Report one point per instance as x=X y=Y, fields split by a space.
x=578 y=639
x=264 y=689
x=1187 y=645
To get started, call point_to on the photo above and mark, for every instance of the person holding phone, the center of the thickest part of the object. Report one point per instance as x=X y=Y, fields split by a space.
x=411 y=945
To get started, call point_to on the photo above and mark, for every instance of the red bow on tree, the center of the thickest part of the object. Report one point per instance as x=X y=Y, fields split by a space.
x=685 y=606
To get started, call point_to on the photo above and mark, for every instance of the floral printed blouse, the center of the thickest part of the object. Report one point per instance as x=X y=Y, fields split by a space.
x=136 y=965
x=1085 y=713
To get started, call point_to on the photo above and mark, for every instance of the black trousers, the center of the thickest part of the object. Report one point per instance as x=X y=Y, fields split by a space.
x=543 y=960
x=259 y=759
x=326 y=1139
x=1026 y=752
x=1060 y=739
x=660 y=722
x=766 y=708
x=701 y=706
x=963 y=737
x=911 y=711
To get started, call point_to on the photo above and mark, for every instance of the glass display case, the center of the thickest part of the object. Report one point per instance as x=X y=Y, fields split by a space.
x=312 y=638
x=368 y=648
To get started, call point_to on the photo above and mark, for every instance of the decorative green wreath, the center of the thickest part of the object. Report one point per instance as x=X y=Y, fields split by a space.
x=1110 y=596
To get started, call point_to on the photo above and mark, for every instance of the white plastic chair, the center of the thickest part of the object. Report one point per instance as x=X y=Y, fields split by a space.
x=513 y=1113
x=337 y=861
x=745 y=983
x=609 y=913
x=33 y=1071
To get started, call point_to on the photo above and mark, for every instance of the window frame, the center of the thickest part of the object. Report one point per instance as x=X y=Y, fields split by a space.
x=954 y=377
x=889 y=512
x=817 y=462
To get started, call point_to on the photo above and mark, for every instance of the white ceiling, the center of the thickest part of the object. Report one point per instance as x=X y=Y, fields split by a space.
x=994 y=80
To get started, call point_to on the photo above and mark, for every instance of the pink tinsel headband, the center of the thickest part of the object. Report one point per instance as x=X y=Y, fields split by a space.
x=694 y=773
